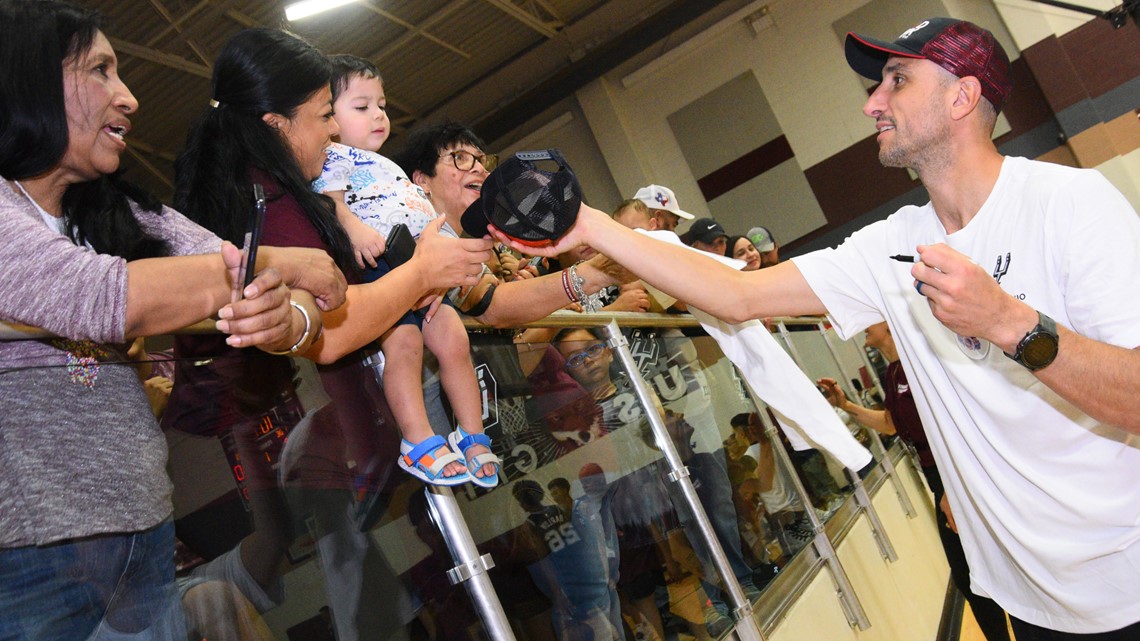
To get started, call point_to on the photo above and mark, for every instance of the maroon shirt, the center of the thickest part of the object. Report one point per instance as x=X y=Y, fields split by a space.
x=239 y=385
x=286 y=224
x=358 y=417
x=900 y=403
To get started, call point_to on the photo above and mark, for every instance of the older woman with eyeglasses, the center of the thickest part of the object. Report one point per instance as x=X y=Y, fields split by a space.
x=450 y=162
x=451 y=171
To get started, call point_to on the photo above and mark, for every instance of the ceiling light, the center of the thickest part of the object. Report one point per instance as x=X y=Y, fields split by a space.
x=306 y=8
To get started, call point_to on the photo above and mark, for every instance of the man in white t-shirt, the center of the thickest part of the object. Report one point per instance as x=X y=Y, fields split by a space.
x=1033 y=421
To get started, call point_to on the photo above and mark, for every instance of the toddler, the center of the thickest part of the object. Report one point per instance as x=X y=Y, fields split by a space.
x=372 y=194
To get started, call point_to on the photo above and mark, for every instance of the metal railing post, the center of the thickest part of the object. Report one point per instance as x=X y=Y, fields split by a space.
x=746 y=627
x=880 y=451
x=861 y=497
x=821 y=545
x=470 y=567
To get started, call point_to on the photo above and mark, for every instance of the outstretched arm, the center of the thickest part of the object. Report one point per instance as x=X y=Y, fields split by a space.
x=523 y=301
x=878 y=420
x=686 y=275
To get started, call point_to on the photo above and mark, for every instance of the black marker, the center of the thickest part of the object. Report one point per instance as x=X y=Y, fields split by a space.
x=904 y=258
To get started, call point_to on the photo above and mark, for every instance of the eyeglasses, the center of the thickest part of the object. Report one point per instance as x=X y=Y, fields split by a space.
x=465 y=160
x=577 y=359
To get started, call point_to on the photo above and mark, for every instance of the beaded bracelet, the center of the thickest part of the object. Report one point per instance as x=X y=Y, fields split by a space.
x=577 y=283
x=566 y=285
x=304 y=335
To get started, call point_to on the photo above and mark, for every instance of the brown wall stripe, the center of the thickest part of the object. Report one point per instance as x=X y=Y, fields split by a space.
x=1104 y=57
x=1059 y=80
x=1026 y=108
x=745 y=168
x=852 y=182
x=1087 y=62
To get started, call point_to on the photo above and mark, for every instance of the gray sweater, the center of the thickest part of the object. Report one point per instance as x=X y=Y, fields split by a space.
x=80 y=451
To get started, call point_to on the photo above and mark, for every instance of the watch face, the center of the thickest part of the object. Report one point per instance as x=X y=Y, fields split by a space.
x=1039 y=350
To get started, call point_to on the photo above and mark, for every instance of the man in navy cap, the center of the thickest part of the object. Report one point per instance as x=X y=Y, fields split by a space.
x=707 y=235
x=1014 y=300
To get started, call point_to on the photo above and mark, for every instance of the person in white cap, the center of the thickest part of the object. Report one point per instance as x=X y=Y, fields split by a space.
x=662 y=204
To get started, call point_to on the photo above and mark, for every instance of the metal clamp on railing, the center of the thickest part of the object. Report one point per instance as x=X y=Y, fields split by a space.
x=892 y=473
x=471 y=568
x=465 y=571
x=679 y=473
x=877 y=530
x=743 y=613
x=617 y=341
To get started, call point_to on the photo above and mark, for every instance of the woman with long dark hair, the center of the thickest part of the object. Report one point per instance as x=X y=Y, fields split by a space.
x=86 y=542
x=268 y=122
x=741 y=248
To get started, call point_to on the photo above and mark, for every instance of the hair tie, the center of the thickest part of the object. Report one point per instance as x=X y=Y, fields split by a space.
x=214 y=103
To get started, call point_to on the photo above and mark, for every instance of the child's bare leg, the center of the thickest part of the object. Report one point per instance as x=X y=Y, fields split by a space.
x=446 y=337
x=403 y=388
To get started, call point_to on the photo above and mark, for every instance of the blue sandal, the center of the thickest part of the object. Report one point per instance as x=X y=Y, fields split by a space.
x=420 y=461
x=461 y=441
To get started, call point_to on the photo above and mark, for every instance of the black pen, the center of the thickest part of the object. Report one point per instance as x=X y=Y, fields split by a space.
x=903 y=258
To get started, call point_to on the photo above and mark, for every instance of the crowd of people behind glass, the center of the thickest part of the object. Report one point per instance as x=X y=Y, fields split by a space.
x=589 y=536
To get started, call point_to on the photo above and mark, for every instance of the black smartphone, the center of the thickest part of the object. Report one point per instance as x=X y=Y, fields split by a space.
x=399 y=246
x=252 y=237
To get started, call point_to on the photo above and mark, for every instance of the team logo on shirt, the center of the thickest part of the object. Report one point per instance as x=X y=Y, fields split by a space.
x=1001 y=267
x=973 y=347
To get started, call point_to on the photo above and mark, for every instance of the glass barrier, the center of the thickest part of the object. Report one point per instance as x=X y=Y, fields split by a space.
x=624 y=511
x=587 y=477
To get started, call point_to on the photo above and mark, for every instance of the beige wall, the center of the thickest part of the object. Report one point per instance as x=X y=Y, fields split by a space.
x=797 y=58
x=1030 y=22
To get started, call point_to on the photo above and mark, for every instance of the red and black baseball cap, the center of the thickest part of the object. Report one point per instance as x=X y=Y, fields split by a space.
x=960 y=47
x=532 y=205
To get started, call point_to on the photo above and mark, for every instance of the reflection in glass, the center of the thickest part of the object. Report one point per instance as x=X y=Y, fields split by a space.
x=294 y=526
x=307 y=449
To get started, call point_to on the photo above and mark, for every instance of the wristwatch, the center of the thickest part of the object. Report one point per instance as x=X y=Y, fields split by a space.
x=1039 y=347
